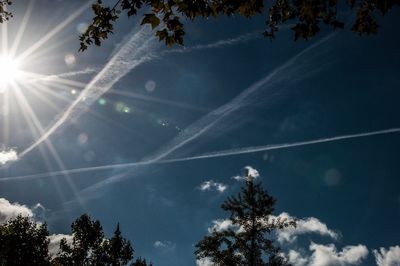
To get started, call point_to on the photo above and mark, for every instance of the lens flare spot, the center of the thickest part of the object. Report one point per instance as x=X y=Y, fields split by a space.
x=150 y=85
x=70 y=59
x=83 y=138
x=102 y=101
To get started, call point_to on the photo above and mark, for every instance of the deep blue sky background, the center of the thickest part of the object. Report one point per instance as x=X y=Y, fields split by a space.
x=348 y=84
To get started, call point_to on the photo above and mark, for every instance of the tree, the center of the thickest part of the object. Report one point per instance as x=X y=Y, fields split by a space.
x=245 y=241
x=87 y=246
x=167 y=17
x=90 y=247
x=119 y=250
x=24 y=242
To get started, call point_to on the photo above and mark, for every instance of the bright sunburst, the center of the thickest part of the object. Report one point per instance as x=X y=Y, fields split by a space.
x=9 y=71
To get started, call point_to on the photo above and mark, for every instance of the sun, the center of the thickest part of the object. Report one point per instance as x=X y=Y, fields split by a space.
x=9 y=71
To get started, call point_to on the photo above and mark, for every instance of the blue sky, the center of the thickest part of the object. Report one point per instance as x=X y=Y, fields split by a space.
x=132 y=105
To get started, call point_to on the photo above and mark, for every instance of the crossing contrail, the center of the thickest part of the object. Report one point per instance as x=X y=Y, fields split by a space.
x=223 y=153
x=291 y=69
x=138 y=49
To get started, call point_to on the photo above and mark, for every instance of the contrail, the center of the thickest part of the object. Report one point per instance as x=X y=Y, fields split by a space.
x=137 y=50
x=248 y=96
x=282 y=146
x=215 y=154
x=243 y=99
x=85 y=71
x=219 y=44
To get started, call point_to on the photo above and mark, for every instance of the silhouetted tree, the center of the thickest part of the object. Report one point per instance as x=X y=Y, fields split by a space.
x=141 y=262
x=87 y=246
x=248 y=240
x=24 y=242
x=119 y=250
x=90 y=247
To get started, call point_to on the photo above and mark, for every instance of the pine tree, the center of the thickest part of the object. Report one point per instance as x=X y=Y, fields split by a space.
x=119 y=250
x=246 y=241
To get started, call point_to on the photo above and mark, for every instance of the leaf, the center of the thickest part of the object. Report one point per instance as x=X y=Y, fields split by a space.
x=151 y=19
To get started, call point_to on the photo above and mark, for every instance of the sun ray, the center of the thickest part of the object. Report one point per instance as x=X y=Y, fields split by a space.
x=4 y=35
x=51 y=79
x=22 y=28
x=42 y=98
x=32 y=119
x=5 y=109
x=54 y=31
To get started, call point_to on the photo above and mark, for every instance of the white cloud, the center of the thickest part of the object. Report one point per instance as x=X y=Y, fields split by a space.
x=164 y=245
x=55 y=239
x=327 y=255
x=309 y=225
x=220 y=225
x=8 y=156
x=211 y=185
x=10 y=210
x=384 y=257
x=321 y=255
x=204 y=262
x=304 y=226
x=251 y=172
x=296 y=258
x=248 y=172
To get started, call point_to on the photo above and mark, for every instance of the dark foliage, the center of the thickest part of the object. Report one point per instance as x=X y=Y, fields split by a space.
x=4 y=14
x=23 y=242
x=90 y=247
x=167 y=17
x=246 y=242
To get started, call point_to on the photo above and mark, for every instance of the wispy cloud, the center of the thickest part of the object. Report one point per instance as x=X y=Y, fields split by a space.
x=164 y=245
x=211 y=185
